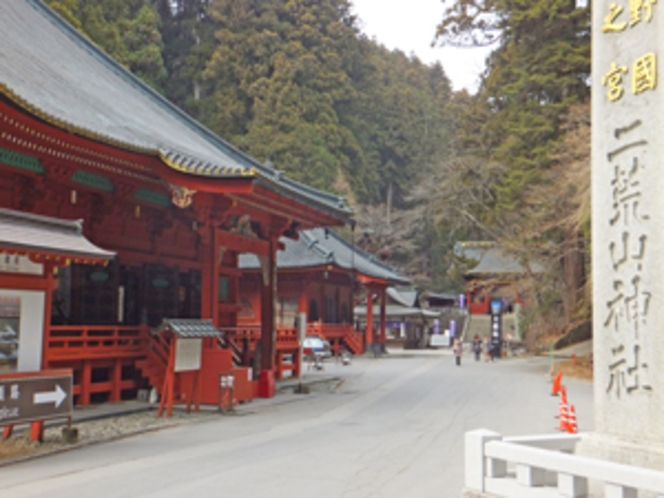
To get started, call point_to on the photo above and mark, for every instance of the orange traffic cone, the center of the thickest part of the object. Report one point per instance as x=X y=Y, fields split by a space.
x=571 y=424
x=563 y=393
x=561 y=405
x=555 y=387
x=564 y=424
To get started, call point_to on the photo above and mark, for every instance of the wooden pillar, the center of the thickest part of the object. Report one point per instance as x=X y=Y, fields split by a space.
x=48 y=306
x=116 y=381
x=351 y=306
x=268 y=331
x=279 y=366
x=236 y=287
x=210 y=276
x=86 y=380
x=303 y=300
x=37 y=431
x=297 y=359
x=369 y=331
x=268 y=296
x=207 y=270
x=383 y=304
x=337 y=304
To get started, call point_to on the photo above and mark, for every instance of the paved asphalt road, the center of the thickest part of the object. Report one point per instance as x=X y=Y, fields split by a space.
x=393 y=428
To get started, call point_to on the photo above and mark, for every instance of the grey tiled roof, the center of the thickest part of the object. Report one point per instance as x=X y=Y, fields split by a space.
x=24 y=231
x=54 y=72
x=440 y=295
x=188 y=327
x=472 y=249
x=496 y=260
x=319 y=247
x=492 y=259
x=405 y=297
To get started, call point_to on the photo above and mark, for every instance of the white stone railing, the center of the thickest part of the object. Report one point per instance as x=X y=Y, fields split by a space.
x=543 y=466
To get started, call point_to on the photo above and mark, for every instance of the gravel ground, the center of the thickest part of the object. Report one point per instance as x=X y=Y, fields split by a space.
x=19 y=445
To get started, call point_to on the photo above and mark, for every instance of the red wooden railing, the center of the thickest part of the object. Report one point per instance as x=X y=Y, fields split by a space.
x=328 y=330
x=286 y=336
x=338 y=335
x=286 y=345
x=287 y=339
x=84 y=348
x=82 y=342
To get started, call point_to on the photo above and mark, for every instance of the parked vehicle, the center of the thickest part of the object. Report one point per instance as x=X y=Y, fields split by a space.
x=314 y=346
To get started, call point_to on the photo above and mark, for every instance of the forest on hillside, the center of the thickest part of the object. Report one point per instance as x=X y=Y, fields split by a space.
x=296 y=83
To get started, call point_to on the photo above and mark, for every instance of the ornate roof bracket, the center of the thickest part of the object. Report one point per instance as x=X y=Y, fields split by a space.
x=181 y=197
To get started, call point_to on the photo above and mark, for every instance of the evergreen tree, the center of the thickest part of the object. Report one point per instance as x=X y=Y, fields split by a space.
x=539 y=68
x=128 y=30
x=277 y=75
x=399 y=119
x=293 y=83
x=537 y=74
x=188 y=35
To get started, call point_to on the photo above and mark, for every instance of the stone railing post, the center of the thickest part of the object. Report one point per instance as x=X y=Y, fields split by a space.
x=617 y=491
x=530 y=476
x=572 y=486
x=474 y=460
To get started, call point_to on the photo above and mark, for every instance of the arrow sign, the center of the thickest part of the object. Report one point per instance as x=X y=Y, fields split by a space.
x=31 y=396
x=57 y=397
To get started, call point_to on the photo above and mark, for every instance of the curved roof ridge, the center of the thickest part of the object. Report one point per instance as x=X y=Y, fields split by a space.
x=30 y=232
x=315 y=245
x=213 y=141
x=363 y=253
x=70 y=225
x=98 y=53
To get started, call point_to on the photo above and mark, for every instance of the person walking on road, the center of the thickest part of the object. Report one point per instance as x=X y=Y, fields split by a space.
x=458 y=349
x=477 y=347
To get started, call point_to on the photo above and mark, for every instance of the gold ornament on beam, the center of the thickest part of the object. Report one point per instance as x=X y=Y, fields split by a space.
x=181 y=197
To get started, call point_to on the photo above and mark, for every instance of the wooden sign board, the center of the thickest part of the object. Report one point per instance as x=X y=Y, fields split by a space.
x=31 y=396
x=188 y=354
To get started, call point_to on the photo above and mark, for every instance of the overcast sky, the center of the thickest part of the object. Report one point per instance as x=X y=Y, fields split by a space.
x=410 y=26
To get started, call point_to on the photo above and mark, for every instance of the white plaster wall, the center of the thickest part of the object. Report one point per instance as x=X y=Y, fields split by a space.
x=31 y=328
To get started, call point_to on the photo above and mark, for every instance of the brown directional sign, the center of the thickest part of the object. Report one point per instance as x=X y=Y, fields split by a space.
x=31 y=396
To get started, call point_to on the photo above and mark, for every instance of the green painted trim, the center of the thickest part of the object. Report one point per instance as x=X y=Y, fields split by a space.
x=224 y=288
x=22 y=161
x=152 y=197
x=92 y=180
x=160 y=282
x=99 y=276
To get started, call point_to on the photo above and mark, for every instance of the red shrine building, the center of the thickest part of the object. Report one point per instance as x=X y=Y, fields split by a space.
x=494 y=274
x=163 y=209
x=319 y=274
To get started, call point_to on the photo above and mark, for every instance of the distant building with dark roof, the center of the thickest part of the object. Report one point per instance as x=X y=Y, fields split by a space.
x=319 y=274
x=491 y=275
x=407 y=322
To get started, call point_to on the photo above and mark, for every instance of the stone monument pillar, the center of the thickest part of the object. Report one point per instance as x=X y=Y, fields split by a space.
x=628 y=232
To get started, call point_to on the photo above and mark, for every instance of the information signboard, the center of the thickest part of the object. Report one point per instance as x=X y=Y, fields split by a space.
x=496 y=327
x=32 y=396
x=439 y=340
x=188 y=354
